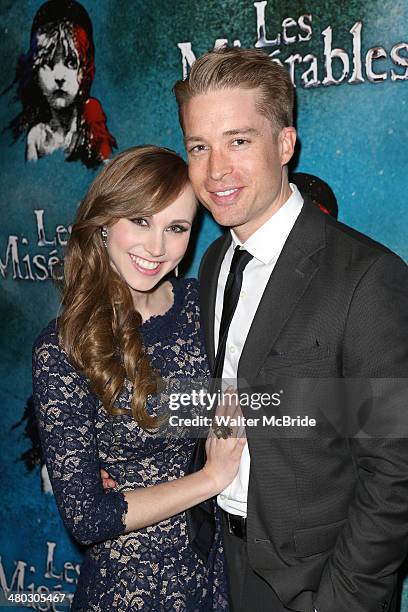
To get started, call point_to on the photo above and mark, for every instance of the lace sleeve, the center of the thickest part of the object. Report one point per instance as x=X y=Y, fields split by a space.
x=65 y=411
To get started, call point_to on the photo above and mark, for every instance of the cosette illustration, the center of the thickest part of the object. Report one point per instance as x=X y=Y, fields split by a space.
x=53 y=82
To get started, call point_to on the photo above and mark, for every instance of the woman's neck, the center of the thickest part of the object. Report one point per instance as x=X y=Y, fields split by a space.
x=155 y=302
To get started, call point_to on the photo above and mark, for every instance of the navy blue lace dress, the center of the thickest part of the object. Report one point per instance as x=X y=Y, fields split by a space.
x=153 y=568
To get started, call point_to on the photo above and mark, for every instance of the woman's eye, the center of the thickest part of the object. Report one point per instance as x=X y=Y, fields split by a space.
x=177 y=229
x=141 y=222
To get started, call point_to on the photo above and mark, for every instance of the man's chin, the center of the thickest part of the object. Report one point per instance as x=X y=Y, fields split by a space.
x=227 y=218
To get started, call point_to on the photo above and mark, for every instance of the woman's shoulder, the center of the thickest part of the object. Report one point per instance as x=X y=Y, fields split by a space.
x=188 y=291
x=189 y=286
x=48 y=355
x=47 y=343
x=48 y=335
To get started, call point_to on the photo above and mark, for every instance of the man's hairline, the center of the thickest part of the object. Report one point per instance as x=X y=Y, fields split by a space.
x=276 y=130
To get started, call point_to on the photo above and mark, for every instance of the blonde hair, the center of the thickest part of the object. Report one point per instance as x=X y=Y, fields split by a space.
x=98 y=327
x=228 y=68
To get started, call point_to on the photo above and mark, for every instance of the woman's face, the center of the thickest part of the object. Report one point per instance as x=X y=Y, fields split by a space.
x=144 y=249
x=59 y=80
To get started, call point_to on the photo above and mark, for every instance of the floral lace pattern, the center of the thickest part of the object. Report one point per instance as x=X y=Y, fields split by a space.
x=153 y=569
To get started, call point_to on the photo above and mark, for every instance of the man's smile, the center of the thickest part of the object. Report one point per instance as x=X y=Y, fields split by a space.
x=225 y=196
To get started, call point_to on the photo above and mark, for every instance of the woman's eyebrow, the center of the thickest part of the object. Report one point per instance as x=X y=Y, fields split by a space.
x=181 y=221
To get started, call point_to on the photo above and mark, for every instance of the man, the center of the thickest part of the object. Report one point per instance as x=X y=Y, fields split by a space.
x=308 y=523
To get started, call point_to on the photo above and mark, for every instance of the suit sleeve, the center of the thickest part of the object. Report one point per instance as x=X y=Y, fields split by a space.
x=360 y=574
x=65 y=410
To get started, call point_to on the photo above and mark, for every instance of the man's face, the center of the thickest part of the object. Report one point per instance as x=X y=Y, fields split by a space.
x=236 y=158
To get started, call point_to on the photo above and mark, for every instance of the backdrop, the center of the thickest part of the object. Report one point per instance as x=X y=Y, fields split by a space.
x=349 y=62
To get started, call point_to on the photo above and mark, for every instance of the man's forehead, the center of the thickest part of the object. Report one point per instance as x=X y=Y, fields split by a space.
x=227 y=94
x=225 y=111
x=239 y=131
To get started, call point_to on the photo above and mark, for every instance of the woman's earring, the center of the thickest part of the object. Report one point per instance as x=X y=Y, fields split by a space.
x=104 y=234
x=176 y=271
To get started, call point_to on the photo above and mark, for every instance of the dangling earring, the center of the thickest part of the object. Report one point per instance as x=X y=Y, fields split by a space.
x=104 y=234
x=176 y=271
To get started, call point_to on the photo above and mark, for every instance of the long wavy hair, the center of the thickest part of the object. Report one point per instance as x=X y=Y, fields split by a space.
x=98 y=327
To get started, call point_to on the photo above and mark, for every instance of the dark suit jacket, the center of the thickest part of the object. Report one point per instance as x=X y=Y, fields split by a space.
x=327 y=515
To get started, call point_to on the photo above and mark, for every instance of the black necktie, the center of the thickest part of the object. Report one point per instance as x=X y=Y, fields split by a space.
x=231 y=296
x=200 y=519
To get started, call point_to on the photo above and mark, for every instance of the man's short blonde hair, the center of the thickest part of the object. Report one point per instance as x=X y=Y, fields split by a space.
x=229 y=68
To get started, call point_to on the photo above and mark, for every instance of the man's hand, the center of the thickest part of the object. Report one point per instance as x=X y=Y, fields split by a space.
x=107 y=481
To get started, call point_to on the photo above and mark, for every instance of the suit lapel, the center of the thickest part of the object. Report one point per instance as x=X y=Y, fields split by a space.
x=208 y=275
x=289 y=280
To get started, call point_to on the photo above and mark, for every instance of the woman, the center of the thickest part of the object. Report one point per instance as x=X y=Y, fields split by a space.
x=95 y=381
x=54 y=80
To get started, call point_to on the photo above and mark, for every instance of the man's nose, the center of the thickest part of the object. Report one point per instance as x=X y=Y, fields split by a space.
x=219 y=165
x=155 y=243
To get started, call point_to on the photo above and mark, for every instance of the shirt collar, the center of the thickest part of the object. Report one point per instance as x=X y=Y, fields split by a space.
x=267 y=242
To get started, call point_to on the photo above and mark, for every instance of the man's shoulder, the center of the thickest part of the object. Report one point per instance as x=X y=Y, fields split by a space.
x=352 y=238
x=218 y=244
x=213 y=251
x=352 y=251
x=347 y=248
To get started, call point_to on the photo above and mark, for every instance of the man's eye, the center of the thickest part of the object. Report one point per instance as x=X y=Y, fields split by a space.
x=140 y=221
x=197 y=149
x=239 y=141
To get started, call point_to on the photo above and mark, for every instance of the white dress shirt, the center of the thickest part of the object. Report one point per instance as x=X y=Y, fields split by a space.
x=265 y=245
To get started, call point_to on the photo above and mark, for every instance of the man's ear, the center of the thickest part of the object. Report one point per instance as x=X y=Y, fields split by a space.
x=287 y=141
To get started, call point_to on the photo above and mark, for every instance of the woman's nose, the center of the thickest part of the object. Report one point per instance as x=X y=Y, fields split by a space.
x=155 y=244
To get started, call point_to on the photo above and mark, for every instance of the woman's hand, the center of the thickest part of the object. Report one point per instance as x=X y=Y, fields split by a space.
x=149 y=505
x=224 y=454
